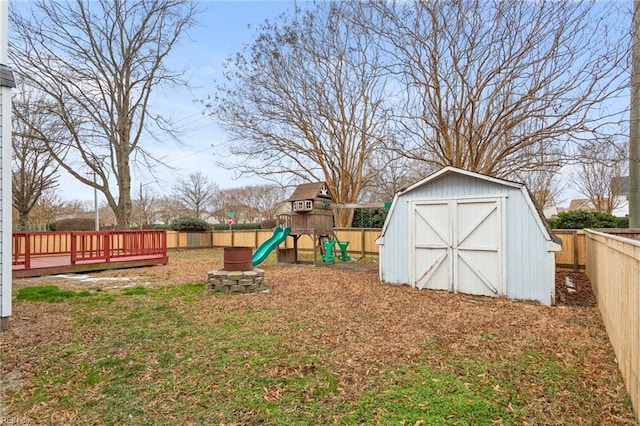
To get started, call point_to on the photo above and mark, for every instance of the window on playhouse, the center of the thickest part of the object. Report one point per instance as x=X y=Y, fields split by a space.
x=302 y=205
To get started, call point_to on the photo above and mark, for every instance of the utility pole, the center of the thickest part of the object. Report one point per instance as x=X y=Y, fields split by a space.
x=95 y=203
x=634 y=124
x=140 y=207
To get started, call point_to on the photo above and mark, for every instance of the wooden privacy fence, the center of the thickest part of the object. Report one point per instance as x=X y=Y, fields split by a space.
x=574 y=245
x=613 y=267
x=574 y=249
x=362 y=242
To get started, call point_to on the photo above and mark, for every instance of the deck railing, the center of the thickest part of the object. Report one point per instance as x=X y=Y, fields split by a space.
x=88 y=245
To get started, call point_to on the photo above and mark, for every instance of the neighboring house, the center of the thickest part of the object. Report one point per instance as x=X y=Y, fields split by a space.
x=621 y=202
x=621 y=208
x=582 y=204
x=284 y=207
x=7 y=82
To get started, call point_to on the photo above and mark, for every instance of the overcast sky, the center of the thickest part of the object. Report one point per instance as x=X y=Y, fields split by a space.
x=222 y=31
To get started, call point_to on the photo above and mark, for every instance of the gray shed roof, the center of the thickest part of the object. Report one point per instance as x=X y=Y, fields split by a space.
x=542 y=221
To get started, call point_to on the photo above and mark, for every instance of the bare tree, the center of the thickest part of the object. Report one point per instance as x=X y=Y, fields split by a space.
x=264 y=199
x=395 y=175
x=226 y=200
x=546 y=186
x=232 y=200
x=634 y=125
x=307 y=101
x=485 y=81
x=47 y=209
x=97 y=63
x=34 y=169
x=147 y=206
x=169 y=208
x=604 y=162
x=196 y=193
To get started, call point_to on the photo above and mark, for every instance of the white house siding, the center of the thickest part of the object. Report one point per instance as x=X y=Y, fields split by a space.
x=622 y=207
x=5 y=206
x=5 y=178
x=530 y=266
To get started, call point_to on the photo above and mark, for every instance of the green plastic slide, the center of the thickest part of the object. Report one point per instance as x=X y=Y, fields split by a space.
x=261 y=253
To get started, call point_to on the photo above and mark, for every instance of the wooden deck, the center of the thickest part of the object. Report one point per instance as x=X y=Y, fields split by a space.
x=46 y=253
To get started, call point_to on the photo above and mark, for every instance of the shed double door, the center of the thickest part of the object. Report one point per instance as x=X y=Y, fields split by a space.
x=457 y=245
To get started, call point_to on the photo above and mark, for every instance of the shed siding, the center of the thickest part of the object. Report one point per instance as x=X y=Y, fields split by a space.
x=529 y=263
x=394 y=254
x=530 y=267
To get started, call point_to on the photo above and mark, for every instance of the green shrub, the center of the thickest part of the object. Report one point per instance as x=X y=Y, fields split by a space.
x=236 y=226
x=582 y=219
x=189 y=224
x=623 y=222
x=74 y=224
x=369 y=218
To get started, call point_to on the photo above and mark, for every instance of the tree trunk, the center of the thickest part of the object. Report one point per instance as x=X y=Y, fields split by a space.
x=23 y=219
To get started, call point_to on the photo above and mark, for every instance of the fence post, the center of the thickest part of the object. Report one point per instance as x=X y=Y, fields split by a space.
x=74 y=248
x=27 y=251
x=107 y=246
x=576 y=252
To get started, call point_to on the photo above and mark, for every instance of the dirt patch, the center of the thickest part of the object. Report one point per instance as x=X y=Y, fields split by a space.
x=574 y=289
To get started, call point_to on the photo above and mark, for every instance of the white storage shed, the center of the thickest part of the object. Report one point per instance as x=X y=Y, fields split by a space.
x=466 y=232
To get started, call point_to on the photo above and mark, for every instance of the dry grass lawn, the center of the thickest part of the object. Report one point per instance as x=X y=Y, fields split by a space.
x=547 y=365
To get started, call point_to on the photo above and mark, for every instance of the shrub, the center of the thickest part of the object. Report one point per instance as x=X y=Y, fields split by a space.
x=238 y=226
x=189 y=224
x=582 y=219
x=623 y=222
x=74 y=224
x=369 y=218
x=553 y=222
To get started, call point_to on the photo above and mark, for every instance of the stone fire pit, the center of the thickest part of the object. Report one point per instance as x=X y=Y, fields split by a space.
x=235 y=281
x=238 y=275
